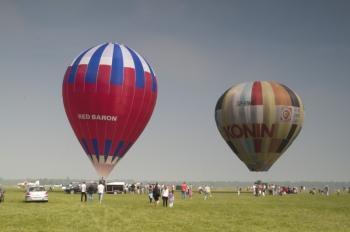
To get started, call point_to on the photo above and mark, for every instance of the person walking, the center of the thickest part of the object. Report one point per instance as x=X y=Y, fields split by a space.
x=90 y=191
x=165 y=196
x=156 y=194
x=183 y=190
x=83 y=192
x=150 y=193
x=207 y=192
x=171 y=198
x=190 y=192
x=100 y=191
x=326 y=190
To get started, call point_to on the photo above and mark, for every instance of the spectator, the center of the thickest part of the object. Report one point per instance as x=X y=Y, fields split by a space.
x=150 y=193
x=190 y=192
x=90 y=191
x=100 y=191
x=207 y=192
x=200 y=189
x=83 y=192
x=326 y=190
x=183 y=190
x=171 y=198
x=156 y=194
x=165 y=196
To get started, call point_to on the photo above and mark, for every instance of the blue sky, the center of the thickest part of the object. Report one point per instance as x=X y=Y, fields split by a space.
x=198 y=49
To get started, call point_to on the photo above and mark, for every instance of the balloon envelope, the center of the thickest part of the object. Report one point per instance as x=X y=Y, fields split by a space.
x=109 y=93
x=259 y=121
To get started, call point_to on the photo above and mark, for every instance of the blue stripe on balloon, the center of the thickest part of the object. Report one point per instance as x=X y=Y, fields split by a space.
x=108 y=144
x=117 y=150
x=85 y=146
x=153 y=78
x=75 y=65
x=246 y=94
x=126 y=150
x=249 y=145
x=140 y=79
x=91 y=73
x=245 y=99
x=154 y=83
x=117 y=66
x=95 y=145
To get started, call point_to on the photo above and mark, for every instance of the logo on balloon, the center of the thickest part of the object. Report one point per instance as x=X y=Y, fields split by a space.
x=97 y=117
x=255 y=130
x=286 y=114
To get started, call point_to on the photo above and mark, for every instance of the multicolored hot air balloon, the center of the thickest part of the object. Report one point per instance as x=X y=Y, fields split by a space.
x=259 y=121
x=109 y=93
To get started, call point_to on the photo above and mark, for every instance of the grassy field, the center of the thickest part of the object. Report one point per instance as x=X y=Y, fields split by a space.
x=223 y=212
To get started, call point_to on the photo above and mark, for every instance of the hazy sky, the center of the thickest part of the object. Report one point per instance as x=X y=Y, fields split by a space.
x=198 y=49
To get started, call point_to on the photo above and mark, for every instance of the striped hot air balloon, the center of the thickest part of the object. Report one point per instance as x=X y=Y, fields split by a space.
x=109 y=93
x=259 y=121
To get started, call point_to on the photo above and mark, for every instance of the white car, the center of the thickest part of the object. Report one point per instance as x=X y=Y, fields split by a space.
x=37 y=193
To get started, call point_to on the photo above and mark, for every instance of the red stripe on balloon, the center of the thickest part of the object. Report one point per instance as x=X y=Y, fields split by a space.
x=128 y=91
x=256 y=98
x=257 y=145
x=147 y=101
x=134 y=119
x=115 y=102
x=66 y=75
x=135 y=108
x=103 y=98
x=72 y=101
x=79 y=83
x=103 y=78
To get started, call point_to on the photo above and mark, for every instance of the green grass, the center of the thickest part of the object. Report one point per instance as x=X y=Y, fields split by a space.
x=224 y=212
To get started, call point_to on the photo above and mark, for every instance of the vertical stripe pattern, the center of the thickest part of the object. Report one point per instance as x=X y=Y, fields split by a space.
x=259 y=120
x=109 y=93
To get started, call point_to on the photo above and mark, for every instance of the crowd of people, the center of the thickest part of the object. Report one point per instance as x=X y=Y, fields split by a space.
x=166 y=192
x=262 y=189
x=87 y=191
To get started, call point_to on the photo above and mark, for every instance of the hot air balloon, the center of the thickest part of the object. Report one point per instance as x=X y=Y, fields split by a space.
x=259 y=121
x=109 y=93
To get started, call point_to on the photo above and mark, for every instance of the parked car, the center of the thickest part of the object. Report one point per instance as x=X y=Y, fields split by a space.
x=36 y=193
x=2 y=194
x=72 y=188
x=76 y=187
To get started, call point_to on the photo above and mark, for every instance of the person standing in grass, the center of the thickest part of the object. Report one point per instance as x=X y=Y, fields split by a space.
x=150 y=193
x=189 y=191
x=156 y=194
x=171 y=198
x=90 y=191
x=100 y=191
x=183 y=190
x=165 y=196
x=83 y=192
x=207 y=192
x=326 y=190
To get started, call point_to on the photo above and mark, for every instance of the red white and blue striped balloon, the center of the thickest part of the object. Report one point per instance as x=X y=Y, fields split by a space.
x=109 y=93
